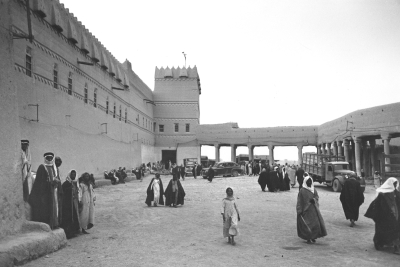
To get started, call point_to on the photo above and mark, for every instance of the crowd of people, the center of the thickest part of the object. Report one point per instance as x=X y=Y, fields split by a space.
x=279 y=178
x=69 y=205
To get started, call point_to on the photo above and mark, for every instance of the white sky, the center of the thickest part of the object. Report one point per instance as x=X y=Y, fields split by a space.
x=262 y=63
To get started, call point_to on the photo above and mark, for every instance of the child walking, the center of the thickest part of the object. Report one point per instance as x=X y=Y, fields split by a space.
x=230 y=216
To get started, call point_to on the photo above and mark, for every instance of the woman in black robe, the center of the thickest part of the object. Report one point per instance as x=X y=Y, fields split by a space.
x=351 y=197
x=70 y=215
x=182 y=171
x=385 y=211
x=286 y=180
x=150 y=192
x=273 y=180
x=174 y=194
x=262 y=179
x=210 y=174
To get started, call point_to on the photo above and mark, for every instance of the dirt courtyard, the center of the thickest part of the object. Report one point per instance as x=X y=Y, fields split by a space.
x=128 y=233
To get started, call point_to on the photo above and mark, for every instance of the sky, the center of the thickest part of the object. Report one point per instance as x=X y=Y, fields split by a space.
x=263 y=63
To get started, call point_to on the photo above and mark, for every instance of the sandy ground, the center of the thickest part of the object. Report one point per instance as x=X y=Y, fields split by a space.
x=128 y=233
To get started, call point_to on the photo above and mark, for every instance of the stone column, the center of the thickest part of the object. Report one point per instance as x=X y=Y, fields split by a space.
x=340 y=148
x=271 y=154
x=386 y=149
x=329 y=148
x=323 y=149
x=372 y=144
x=346 y=144
x=357 y=145
x=353 y=155
x=233 y=153
x=251 y=150
x=365 y=157
x=300 y=154
x=335 y=148
x=217 y=146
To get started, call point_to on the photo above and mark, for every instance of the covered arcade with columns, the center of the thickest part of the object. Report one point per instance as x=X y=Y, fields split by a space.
x=362 y=137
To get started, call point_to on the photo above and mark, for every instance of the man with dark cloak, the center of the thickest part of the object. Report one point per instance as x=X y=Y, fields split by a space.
x=385 y=211
x=70 y=215
x=174 y=194
x=152 y=188
x=263 y=178
x=46 y=195
x=351 y=197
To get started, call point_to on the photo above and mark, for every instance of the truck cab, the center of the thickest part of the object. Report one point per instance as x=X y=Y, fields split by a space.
x=336 y=173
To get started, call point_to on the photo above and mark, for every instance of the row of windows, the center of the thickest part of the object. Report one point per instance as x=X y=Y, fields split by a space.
x=28 y=67
x=176 y=127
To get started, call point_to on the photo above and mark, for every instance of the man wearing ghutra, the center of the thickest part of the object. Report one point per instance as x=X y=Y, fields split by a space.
x=385 y=211
x=310 y=224
x=45 y=197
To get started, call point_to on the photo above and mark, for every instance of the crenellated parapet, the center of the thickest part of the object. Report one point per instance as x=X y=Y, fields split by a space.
x=176 y=73
x=65 y=23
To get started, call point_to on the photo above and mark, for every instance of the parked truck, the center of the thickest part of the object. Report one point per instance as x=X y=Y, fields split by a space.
x=329 y=169
x=391 y=169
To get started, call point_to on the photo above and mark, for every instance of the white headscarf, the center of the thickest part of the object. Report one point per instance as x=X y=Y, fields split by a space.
x=305 y=186
x=388 y=186
x=69 y=176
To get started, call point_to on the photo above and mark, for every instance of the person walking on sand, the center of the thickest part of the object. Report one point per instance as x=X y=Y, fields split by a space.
x=210 y=174
x=174 y=194
x=155 y=192
x=310 y=224
x=385 y=211
x=230 y=216
x=351 y=197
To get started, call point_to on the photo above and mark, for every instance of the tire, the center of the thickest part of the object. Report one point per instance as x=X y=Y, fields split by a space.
x=235 y=173
x=336 y=186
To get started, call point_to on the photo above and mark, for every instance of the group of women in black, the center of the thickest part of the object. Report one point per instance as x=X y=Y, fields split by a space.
x=174 y=193
x=276 y=180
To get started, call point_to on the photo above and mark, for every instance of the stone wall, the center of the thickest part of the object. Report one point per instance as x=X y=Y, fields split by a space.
x=76 y=128
x=11 y=203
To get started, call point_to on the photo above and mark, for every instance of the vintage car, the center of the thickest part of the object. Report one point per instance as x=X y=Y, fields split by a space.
x=227 y=168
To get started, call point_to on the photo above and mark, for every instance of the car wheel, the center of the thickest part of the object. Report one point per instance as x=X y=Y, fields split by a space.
x=235 y=173
x=337 y=186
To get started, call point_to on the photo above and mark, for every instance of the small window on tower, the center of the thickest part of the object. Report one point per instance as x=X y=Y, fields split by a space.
x=126 y=114
x=115 y=110
x=28 y=61
x=107 y=105
x=176 y=127
x=55 y=76
x=95 y=97
x=161 y=128
x=70 y=83
x=85 y=99
x=187 y=127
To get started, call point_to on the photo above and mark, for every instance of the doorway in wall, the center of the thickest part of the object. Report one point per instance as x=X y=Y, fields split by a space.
x=168 y=155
